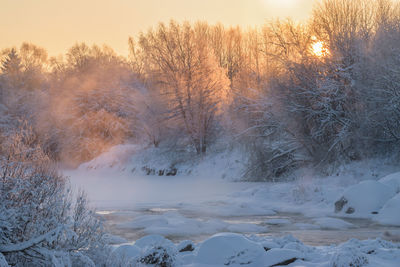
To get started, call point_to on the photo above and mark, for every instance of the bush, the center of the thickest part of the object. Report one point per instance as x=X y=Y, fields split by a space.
x=40 y=224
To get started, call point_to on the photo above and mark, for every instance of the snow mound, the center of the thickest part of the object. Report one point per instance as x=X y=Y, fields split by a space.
x=126 y=251
x=269 y=245
x=230 y=250
x=123 y=255
x=333 y=223
x=392 y=180
x=390 y=213
x=113 y=239
x=119 y=155
x=364 y=198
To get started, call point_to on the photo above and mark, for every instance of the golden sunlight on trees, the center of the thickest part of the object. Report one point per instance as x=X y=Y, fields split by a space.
x=293 y=93
x=182 y=65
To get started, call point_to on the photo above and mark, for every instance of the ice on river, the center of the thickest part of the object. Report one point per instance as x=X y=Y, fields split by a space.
x=199 y=207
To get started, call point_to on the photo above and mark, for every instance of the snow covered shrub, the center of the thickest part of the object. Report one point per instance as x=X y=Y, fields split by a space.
x=39 y=223
x=273 y=153
x=162 y=256
x=124 y=255
x=155 y=250
x=349 y=257
x=270 y=162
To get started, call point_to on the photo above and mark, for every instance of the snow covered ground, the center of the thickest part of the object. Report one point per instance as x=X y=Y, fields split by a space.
x=202 y=201
x=229 y=249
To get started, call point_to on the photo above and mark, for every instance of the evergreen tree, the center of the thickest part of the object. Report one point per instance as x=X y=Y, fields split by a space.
x=11 y=67
x=12 y=63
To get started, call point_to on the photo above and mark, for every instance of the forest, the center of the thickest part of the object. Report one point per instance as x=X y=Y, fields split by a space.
x=293 y=94
x=316 y=94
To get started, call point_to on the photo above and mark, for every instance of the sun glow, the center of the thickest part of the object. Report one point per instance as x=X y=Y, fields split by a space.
x=319 y=49
x=281 y=3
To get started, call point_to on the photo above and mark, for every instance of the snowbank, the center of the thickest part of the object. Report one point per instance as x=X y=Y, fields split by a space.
x=379 y=200
x=390 y=213
x=392 y=180
x=228 y=249
x=364 y=198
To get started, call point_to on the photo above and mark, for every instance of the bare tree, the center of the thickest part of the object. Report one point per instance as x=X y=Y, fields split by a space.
x=188 y=76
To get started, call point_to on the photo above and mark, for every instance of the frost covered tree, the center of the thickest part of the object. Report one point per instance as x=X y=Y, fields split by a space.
x=188 y=76
x=11 y=64
x=92 y=100
x=40 y=224
x=323 y=95
x=384 y=79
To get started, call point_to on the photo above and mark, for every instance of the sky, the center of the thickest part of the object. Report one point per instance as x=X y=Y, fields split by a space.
x=58 y=24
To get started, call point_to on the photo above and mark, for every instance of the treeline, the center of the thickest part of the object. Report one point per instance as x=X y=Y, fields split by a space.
x=319 y=94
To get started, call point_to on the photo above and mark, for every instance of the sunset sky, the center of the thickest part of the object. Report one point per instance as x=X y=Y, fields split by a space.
x=56 y=25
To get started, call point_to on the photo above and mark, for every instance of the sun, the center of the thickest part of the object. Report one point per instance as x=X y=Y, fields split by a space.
x=319 y=49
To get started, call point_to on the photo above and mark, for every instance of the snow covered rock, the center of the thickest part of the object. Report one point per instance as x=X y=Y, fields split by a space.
x=277 y=256
x=156 y=250
x=364 y=198
x=186 y=245
x=390 y=213
x=392 y=180
x=163 y=256
x=298 y=246
x=269 y=245
x=333 y=223
x=230 y=250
